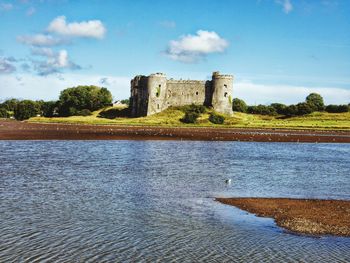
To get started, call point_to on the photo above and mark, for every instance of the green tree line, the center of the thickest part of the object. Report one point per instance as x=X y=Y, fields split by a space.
x=80 y=100
x=313 y=102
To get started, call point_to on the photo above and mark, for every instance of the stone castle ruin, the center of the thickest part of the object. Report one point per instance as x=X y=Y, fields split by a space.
x=155 y=93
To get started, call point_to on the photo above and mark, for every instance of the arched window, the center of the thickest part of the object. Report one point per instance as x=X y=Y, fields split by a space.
x=225 y=94
x=225 y=86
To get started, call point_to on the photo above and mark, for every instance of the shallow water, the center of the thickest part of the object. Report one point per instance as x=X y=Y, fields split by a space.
x=108 y=201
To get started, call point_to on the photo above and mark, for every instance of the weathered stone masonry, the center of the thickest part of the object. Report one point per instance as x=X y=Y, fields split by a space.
x=154 y=93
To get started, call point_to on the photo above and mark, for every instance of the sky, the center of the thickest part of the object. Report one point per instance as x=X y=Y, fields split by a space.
x=277 y=50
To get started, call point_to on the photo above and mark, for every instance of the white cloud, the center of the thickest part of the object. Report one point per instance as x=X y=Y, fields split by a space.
x=55 y=61
x=28 y=86
x=41 y=40
x=254 y=93
x=6 y=6
x=286 y=4
x=192 y=48
x=91 y=28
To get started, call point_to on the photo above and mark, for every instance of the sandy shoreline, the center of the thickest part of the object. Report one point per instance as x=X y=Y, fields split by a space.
x=15 y=130
x=306 y=216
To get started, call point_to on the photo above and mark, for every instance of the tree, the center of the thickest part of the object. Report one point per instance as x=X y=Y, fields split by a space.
x=239 y=105
x=279 y=107
x=10 y=104
x=304 y=108
x=48 y=108
x=337 y=108
x=291 y=110
x=315 y=101
x=262 y=109
x=3 y=113
x=26 y=109
x=73 y=100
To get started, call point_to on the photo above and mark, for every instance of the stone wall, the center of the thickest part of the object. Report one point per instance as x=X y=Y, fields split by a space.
x=155 y=93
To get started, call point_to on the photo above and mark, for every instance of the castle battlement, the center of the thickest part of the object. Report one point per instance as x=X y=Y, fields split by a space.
x=154 y=93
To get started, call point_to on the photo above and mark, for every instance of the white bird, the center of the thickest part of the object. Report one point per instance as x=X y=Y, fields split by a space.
x=228 y=181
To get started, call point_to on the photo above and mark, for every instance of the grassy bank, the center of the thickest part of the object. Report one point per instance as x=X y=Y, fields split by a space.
x=171 y=118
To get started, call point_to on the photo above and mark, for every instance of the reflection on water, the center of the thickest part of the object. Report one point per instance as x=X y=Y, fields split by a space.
x=153 y=200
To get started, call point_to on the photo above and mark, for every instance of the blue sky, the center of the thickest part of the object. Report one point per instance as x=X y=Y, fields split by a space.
x=278 y=50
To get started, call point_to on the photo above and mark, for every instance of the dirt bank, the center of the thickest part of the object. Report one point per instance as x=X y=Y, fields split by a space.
x=307 y=216
x=16 y=130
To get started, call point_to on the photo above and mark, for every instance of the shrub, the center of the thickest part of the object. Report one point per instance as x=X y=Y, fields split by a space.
x=279 y=107
x=194 y=108
x=239 y=105
x=262 y=109
x=114 y=113
x=190 y=117
x=216 y=118
x=315 y=101
x=304 y=108
x=291 y=110
x=26 y=109
x=337 y=108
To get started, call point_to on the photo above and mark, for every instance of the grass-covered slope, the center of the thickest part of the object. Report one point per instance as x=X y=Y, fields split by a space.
x=172 y=116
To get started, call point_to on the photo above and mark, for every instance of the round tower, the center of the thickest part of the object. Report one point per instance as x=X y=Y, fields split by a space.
x=222 y=92
x=156 y=93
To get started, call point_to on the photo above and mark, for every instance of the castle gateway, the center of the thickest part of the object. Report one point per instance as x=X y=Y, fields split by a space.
x=154 y=93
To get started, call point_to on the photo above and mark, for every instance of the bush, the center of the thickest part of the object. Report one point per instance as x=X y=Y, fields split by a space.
x=279 y=107
x=262 y=109
x=291 y=110
x=26 y=109
x=194 y=108
x=4 y=113
x=315 y=101
x=304 y=108
x=216 y=118
x=83 y=112
x=73 y=100
x=190 y=117
x=114 y=113
x=337 y=108
x=239 y=105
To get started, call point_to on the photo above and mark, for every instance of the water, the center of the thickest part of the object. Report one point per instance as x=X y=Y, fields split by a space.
x=146 y=201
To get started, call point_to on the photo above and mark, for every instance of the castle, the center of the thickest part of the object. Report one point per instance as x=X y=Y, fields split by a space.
x=154 y=93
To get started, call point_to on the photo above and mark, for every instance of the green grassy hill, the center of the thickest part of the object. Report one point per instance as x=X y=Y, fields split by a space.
x=171 y=117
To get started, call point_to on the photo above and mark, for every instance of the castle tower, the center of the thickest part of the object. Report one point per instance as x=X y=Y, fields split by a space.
x=156 y=93
x=222 y=92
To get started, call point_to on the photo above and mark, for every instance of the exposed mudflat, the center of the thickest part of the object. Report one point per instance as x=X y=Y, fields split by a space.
x=16 y=130
x=306 y=216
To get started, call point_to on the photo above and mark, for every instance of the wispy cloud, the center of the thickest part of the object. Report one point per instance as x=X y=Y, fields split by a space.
x=30 y=11
x=41 y=40
x=89 y=29
x=6 y=6
x=286 y=5
x=6 y=65
x=192 y=48
x=167 y=24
